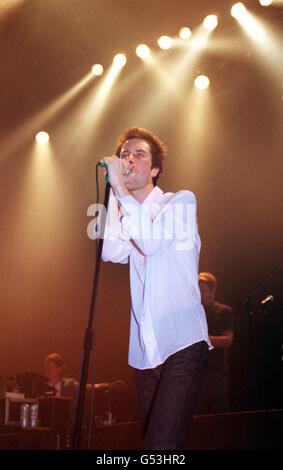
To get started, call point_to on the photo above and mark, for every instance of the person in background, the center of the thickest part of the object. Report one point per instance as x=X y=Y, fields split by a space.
x=54 y=366
x=215 y=391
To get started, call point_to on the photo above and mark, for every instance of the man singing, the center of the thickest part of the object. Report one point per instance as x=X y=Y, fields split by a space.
x=157 y=234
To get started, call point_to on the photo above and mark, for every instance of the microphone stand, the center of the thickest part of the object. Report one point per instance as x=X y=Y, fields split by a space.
x=257 y=289
x=251 y=315
x=89 y=333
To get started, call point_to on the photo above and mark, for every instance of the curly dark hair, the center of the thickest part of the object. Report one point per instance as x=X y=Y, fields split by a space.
x=157 y=147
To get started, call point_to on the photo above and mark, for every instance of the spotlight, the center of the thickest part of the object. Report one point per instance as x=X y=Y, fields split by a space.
x=185 y=33
x=199 y=42
x=210 y=22
x=119 y=60
x=97 y=70
x=238 y=10
x=265 y=3
x=42 y=137
x=142 y=51
x=202 y=82
x=165 y=42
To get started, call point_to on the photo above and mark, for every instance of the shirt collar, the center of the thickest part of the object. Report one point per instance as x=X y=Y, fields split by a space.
x=154 y=196
x=58 y=386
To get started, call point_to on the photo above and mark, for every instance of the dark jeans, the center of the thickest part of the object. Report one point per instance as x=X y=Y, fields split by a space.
x=168 y=396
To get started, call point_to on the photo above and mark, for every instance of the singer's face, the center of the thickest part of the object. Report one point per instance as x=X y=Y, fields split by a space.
x=138 y=154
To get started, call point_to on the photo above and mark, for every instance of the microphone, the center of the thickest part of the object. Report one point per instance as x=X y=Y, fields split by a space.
x=267 y=300
x=128 y=170
x=126 y=173
x=102 y=164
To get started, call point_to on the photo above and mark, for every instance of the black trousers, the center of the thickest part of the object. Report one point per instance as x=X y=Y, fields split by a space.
x=168 y=396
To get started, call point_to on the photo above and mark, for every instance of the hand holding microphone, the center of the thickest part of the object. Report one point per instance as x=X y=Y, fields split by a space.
x=117 y=169
x=108 y=160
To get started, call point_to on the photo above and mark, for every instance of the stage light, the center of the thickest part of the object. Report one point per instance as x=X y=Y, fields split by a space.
x=97 y=70
x=238 y=10
x=202 y=82
x=267 y=44
x=42 y=137
x=185 y=33
x=119 y=60
x=210 y=22
x=265 y=3
x=142 y=51
x=199 y=42
x=165 y=42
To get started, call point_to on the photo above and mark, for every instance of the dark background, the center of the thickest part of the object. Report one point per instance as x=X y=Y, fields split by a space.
x=226 y=148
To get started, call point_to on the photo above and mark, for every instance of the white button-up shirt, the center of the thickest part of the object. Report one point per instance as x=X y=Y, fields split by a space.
x=160 y=240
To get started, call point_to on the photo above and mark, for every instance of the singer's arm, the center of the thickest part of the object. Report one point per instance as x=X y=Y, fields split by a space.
x=175 y=222
x=116 y=248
